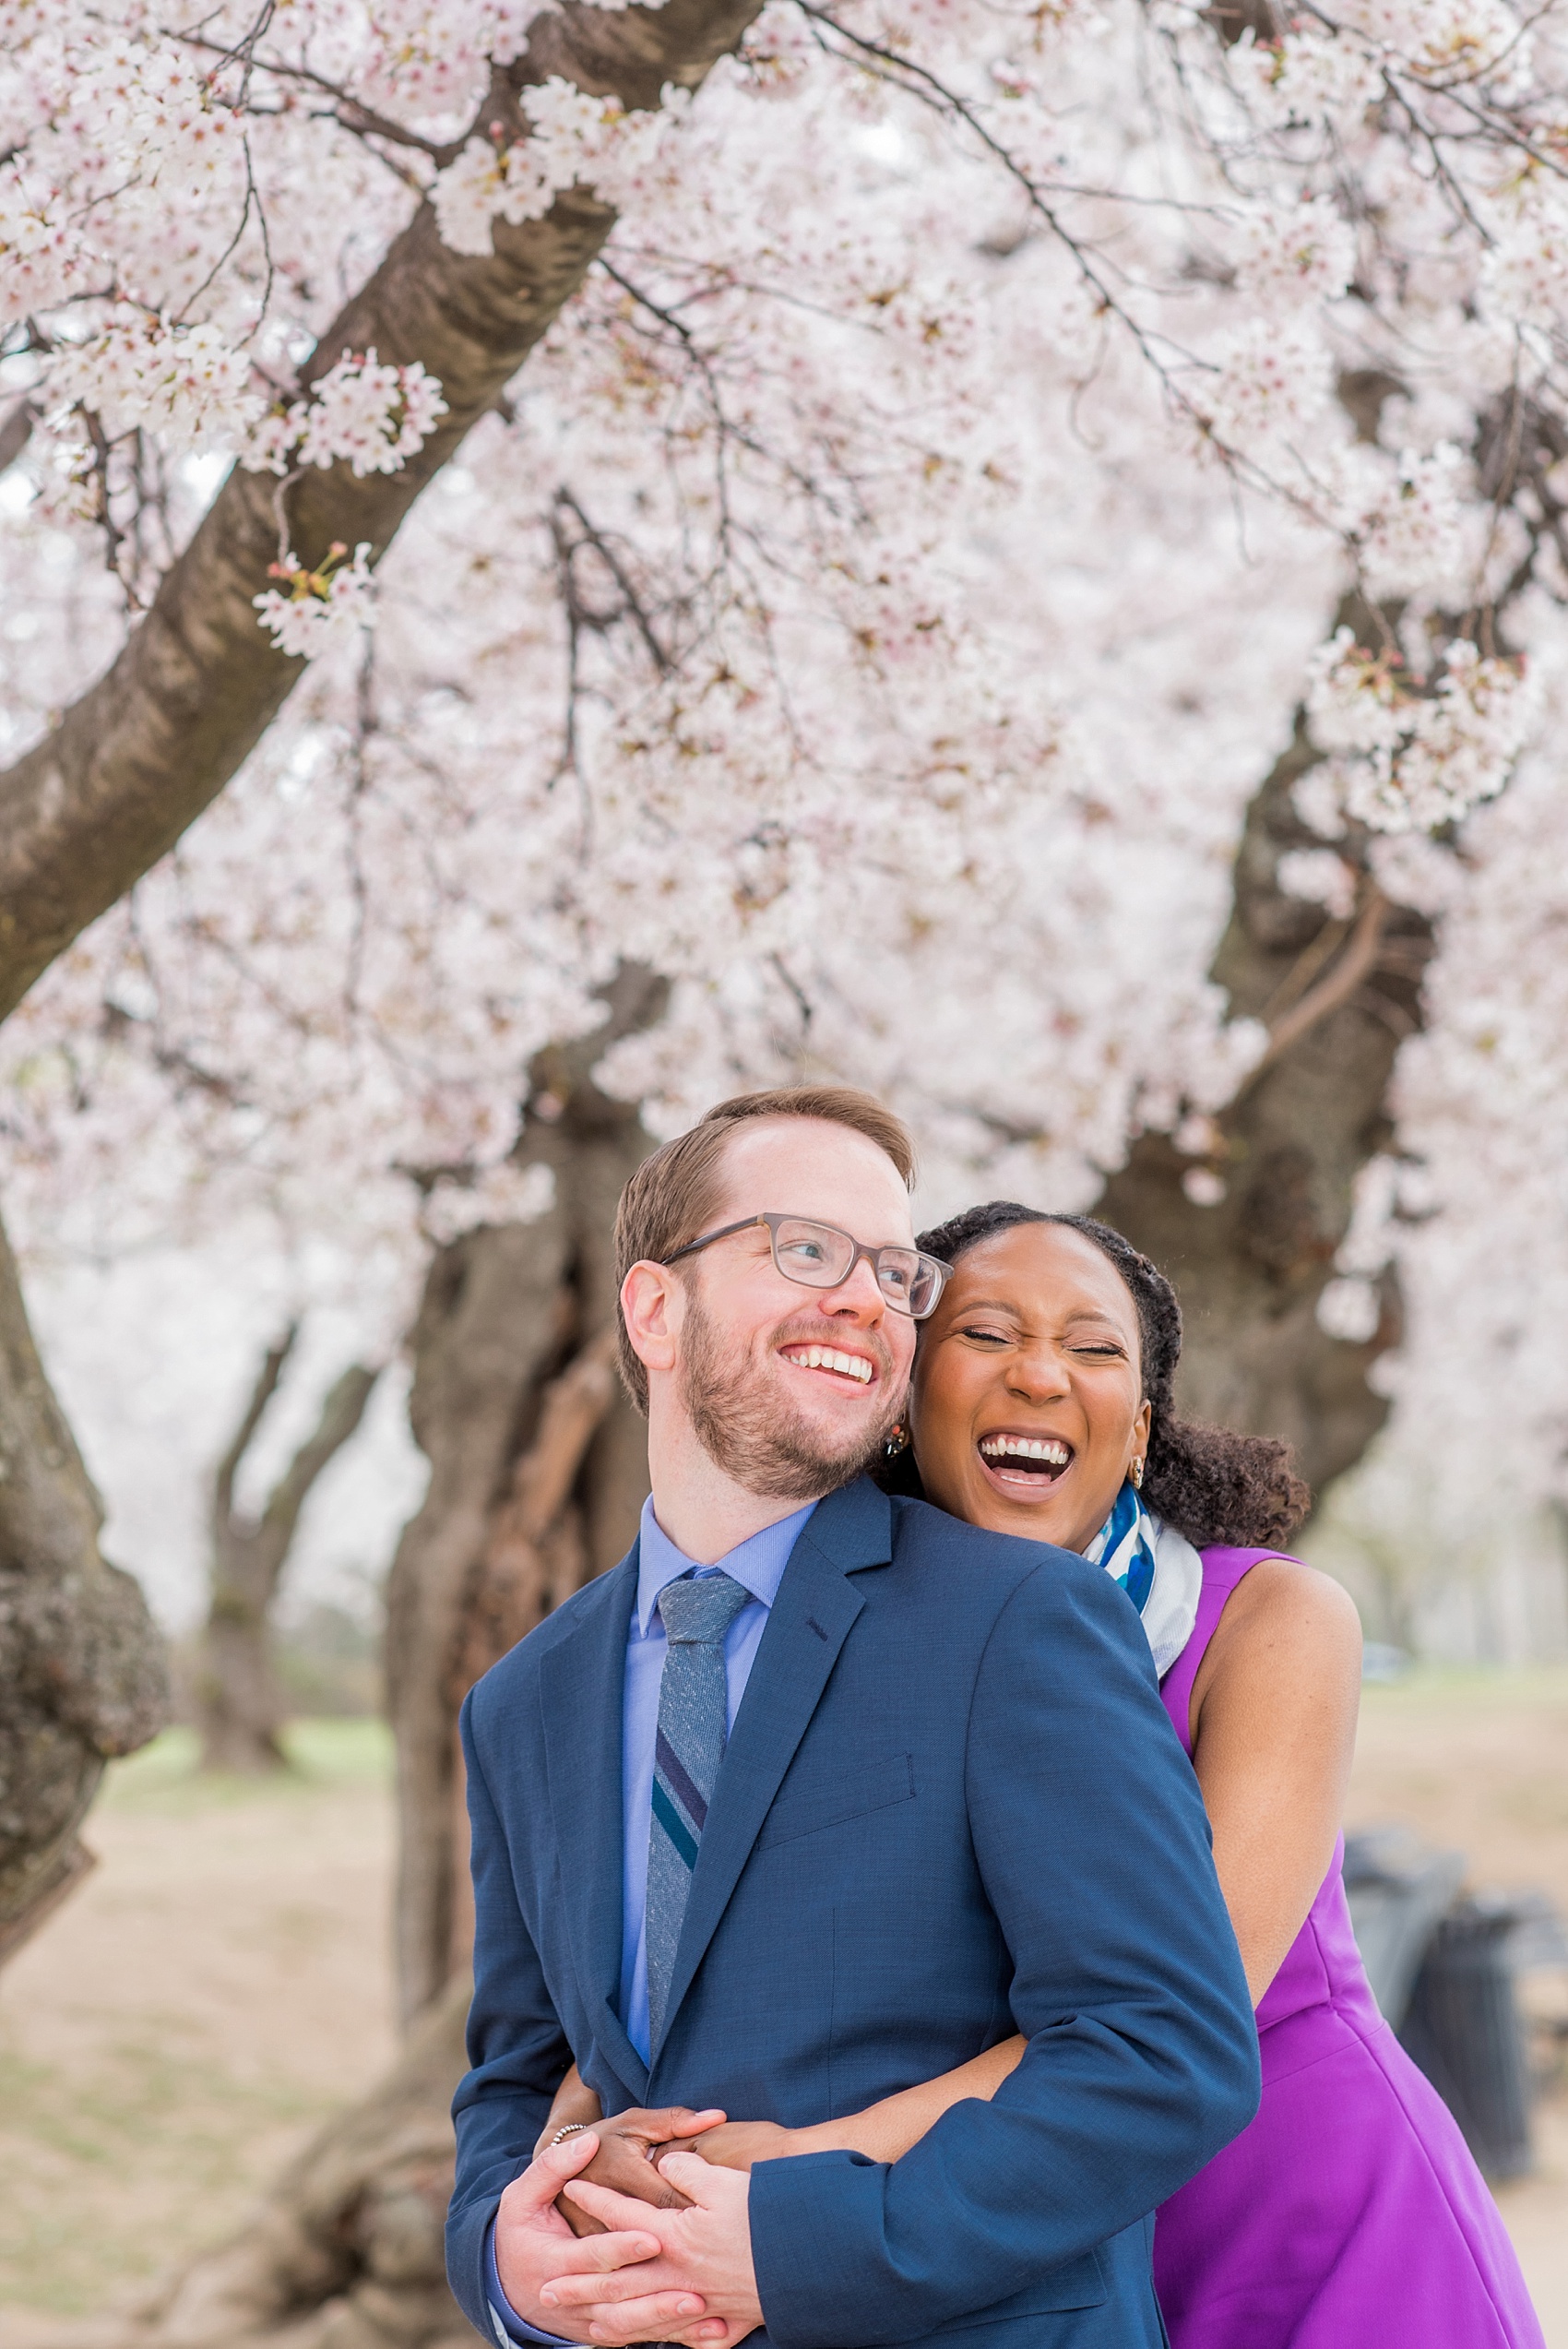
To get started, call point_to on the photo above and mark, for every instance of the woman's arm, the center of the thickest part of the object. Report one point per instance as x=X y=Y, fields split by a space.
x=882 y=2131
x=1273 y=1722
x=574 y=2106
x=631 y=2142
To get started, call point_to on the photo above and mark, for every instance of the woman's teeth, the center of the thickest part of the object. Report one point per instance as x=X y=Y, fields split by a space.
x=1043 y=1448
x=851 y=1365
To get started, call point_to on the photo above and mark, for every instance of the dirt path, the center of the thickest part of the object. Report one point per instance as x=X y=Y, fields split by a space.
x=218 y=1986
x=222 y=1983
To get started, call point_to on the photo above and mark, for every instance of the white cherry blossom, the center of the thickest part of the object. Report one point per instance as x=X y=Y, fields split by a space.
x=873 y=606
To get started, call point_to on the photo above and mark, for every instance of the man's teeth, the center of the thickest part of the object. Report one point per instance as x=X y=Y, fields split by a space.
x=1025 y=1448
x=854 y=1365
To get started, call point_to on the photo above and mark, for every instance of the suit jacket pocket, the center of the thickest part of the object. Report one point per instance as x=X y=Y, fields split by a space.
x=803 y=1810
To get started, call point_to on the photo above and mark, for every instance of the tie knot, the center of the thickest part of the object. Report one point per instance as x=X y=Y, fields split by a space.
x=698 y=1613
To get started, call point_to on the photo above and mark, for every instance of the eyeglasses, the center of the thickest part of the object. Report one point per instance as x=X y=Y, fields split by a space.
x=821 y=1257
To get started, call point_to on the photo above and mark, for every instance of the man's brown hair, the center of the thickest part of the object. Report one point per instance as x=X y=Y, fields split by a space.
x=673 y=1193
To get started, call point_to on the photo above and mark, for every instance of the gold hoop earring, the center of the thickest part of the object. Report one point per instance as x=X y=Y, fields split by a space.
x=897 y=1440
x=1137 y=1476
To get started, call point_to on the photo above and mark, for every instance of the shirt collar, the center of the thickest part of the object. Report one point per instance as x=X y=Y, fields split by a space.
x=757 y=1564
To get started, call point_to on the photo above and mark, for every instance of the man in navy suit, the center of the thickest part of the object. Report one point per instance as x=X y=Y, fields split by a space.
x=949 y=1808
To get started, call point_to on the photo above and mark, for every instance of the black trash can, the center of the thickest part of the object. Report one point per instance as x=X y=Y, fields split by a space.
x=1398 y=1889
x=1463 y=2028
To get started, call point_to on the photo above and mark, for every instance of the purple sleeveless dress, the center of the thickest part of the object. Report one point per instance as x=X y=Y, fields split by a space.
x=1350 y=2213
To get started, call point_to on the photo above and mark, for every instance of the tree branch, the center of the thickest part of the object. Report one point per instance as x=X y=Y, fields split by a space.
x=266 y=1387
x=365 y=119
x=573 y=1406
x=140 y=753
x=340 y=1415
x=17 y=431
x=1357 y=962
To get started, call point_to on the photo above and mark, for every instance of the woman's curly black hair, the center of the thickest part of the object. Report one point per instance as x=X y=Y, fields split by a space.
x=1210 y=1484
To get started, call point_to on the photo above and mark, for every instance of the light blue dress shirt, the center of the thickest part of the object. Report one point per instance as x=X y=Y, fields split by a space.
x=758 y=1565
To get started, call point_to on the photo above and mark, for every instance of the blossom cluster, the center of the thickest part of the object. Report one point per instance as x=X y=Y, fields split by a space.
x=371 y=416
x=186 y=384
x=319 y=604
x=575 y=140
x=1403 y=759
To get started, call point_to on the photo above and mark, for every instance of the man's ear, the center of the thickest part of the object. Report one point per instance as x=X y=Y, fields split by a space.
x=653 y=1300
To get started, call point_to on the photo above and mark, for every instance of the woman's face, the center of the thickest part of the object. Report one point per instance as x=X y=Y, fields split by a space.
x=1027 y=1406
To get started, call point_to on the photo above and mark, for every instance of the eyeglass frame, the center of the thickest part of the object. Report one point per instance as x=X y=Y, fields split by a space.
x=871 y=1256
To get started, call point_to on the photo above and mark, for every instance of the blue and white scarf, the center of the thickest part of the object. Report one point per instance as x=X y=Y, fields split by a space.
x=1160 y=1570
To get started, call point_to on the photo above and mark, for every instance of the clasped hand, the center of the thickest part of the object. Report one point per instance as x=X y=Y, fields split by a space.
x=631 y=2146
x=673 y=2263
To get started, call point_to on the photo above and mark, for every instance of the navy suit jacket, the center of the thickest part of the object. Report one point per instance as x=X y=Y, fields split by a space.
x=952 y=1807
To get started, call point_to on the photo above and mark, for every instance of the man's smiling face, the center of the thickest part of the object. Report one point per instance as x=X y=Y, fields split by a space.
x=789 y=1388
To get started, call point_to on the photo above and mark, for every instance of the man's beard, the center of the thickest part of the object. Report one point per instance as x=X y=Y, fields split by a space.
x=752 y=1435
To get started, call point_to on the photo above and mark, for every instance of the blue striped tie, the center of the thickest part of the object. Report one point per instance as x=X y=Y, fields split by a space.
x=693 y=1724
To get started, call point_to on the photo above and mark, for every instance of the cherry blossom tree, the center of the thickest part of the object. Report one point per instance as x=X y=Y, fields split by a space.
x=960 y=452
x=750 y=639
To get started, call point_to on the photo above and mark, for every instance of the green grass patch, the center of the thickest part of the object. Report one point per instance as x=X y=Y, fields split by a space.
x=165 y=1775
x=1469 y=1689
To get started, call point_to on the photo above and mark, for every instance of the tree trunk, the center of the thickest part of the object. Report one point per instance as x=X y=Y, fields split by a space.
x=505 y=1309
x=82 y=1667
x=1339 y=998
x=239 y=1703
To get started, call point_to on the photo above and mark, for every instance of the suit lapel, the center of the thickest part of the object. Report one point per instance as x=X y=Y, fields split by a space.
x=807 y=1624
x=582 y=1687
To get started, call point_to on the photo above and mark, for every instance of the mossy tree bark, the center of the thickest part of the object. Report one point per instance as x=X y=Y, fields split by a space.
x=82 y=1671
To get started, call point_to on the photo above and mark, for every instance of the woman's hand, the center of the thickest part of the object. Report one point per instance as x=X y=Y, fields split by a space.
x=736 y=2144
x=624 y=2162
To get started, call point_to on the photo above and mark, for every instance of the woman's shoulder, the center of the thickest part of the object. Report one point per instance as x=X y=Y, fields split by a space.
x=1279 y=1600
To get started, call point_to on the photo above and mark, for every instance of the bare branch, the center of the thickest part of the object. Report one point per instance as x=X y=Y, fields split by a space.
x=632 y=604
x=351 y=112
x=340 y=1415
x=1357 y=962
x=261 y=1394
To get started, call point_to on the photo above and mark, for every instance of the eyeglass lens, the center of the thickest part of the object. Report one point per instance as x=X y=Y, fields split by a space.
x=817 y=1255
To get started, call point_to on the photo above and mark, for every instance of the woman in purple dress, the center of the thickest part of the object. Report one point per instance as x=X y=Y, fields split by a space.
x=1349 y=2214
